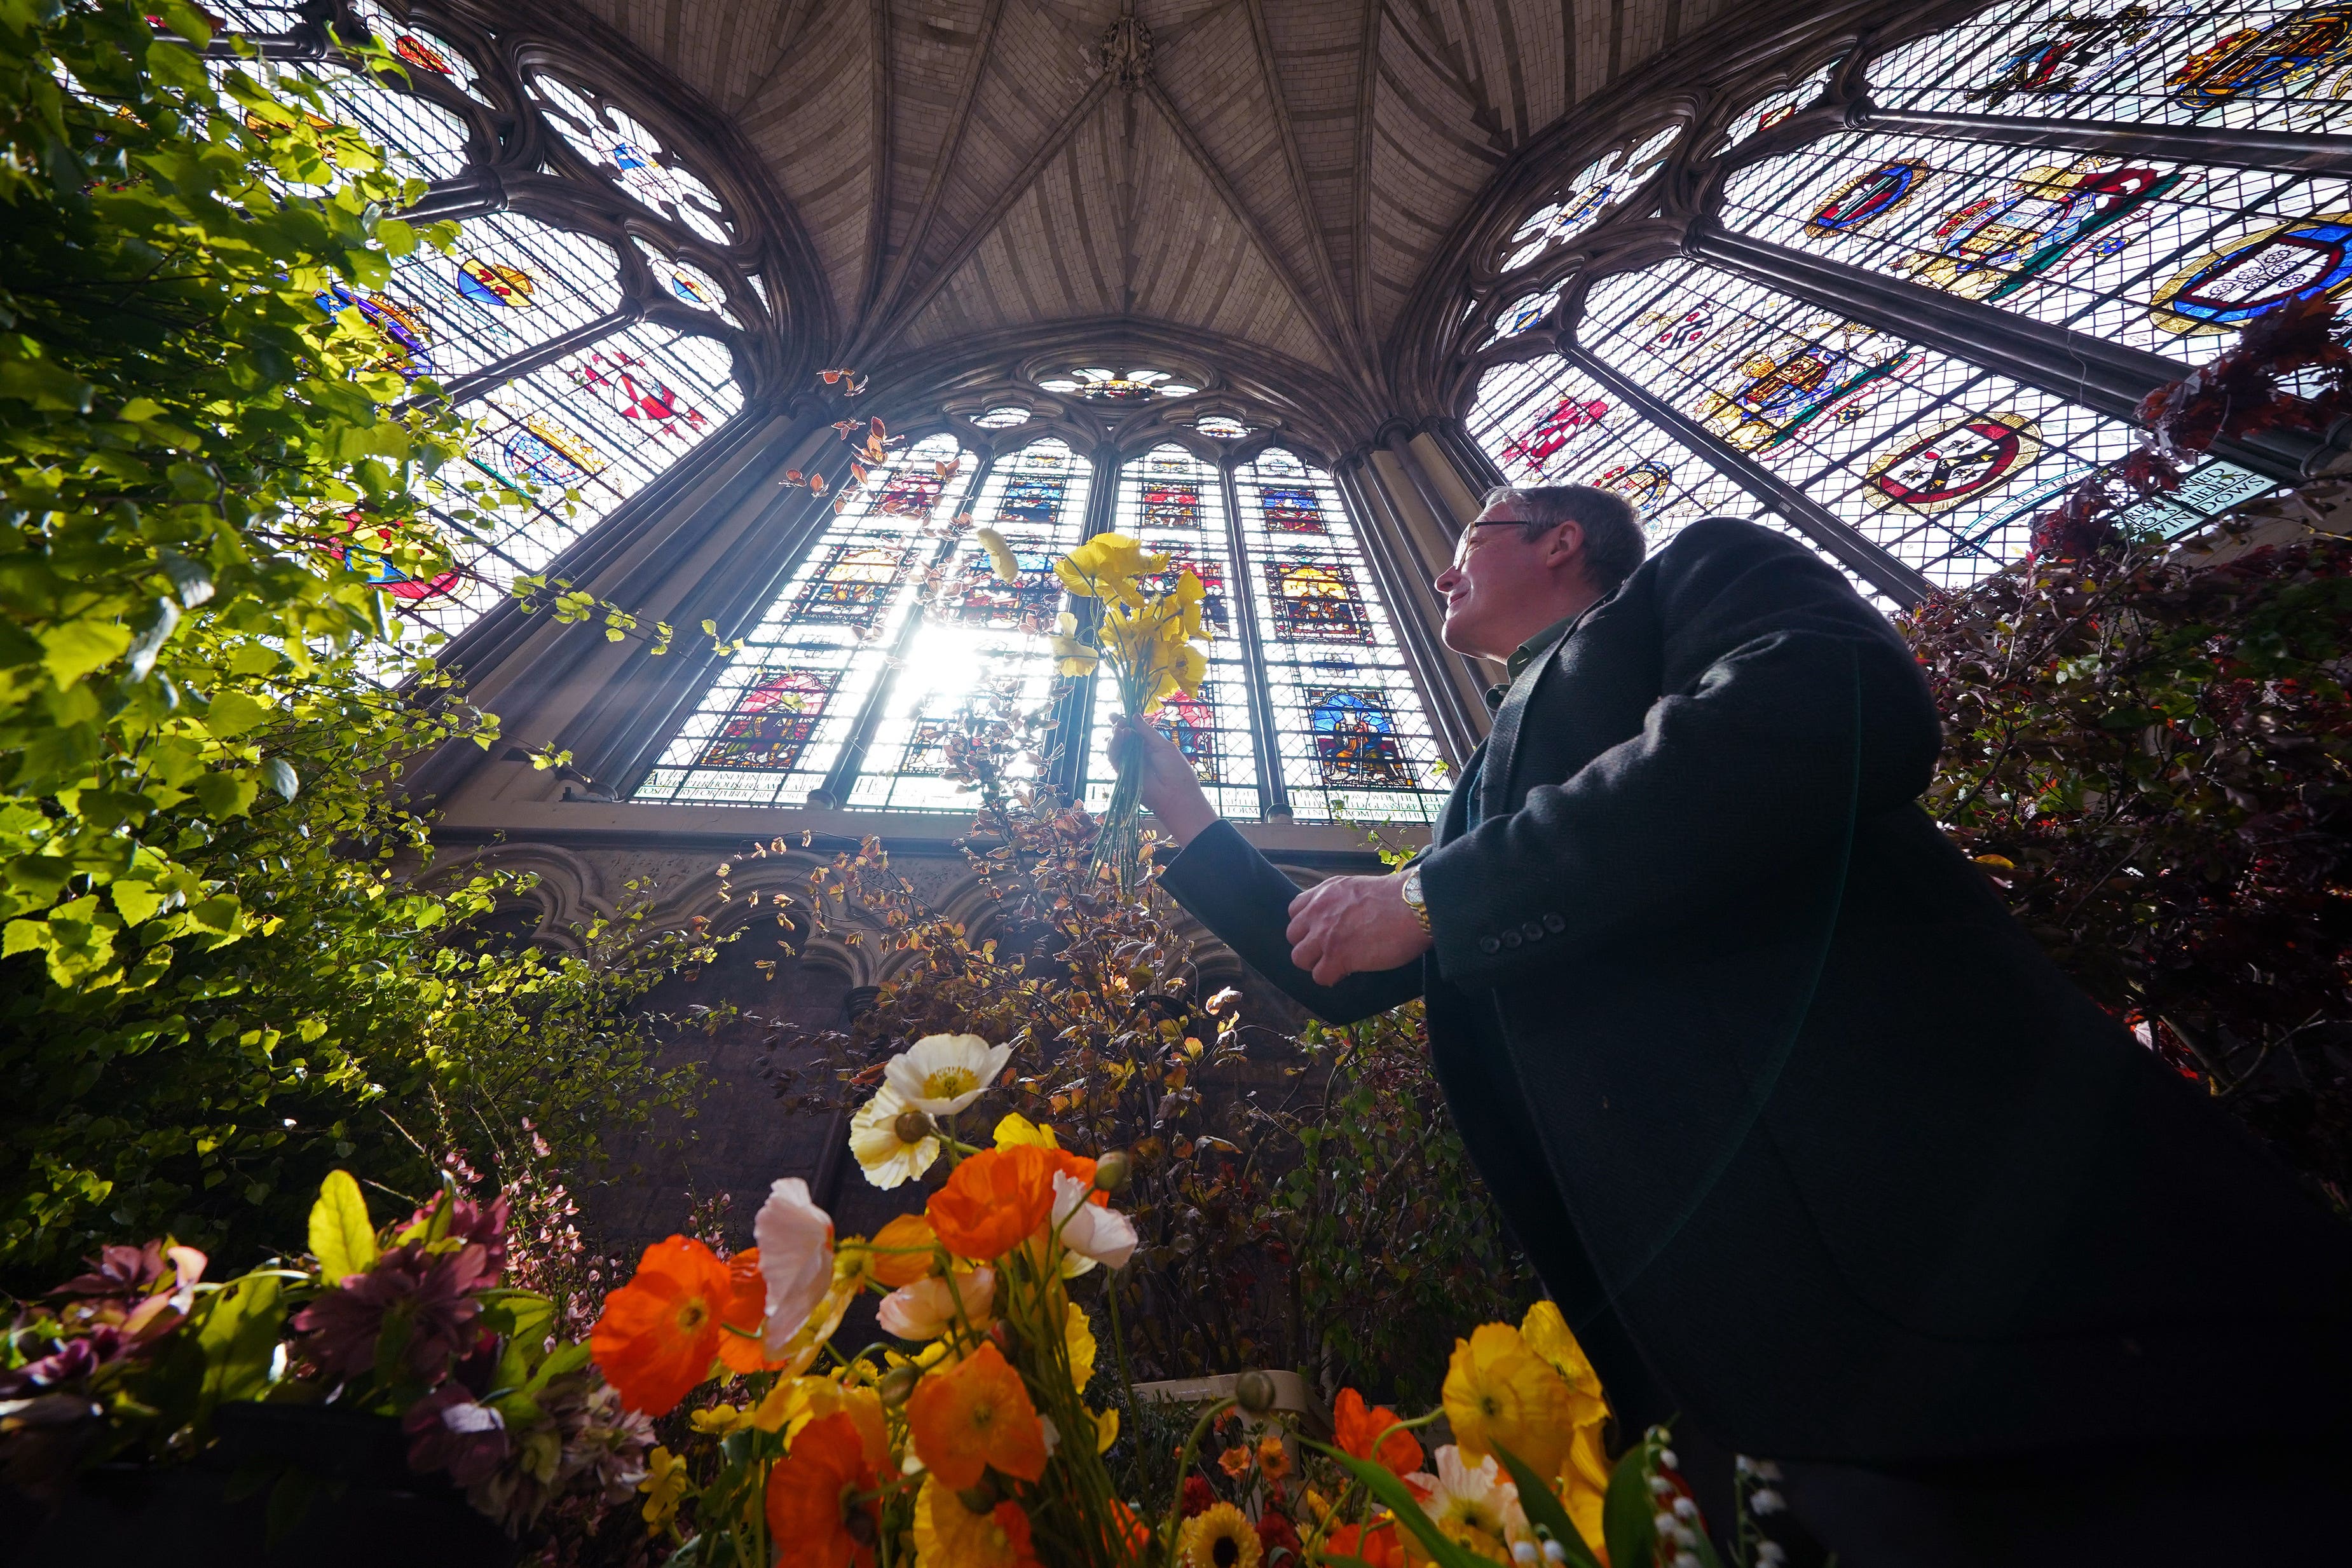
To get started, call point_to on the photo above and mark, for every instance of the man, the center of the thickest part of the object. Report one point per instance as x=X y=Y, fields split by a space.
x=1810 y=1142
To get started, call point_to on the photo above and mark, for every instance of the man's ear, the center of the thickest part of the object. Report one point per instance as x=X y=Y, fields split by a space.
x=1564 y=546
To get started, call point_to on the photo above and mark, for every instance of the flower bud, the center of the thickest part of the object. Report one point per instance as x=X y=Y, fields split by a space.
x=912 y=1126
x=899 y=1382
x=1112 y=1170
x=982 y=1497
x=1254 y=1392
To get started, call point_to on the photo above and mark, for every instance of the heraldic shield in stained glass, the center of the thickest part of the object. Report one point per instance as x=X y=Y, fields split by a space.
x=1994 y=246
x=2289 y=54
x=1829 y=372
x=2222 y=290
x=548 y=452
x=1316 y=599
x=400 y=328
x=1955 y=462
x=1355 y=740
x=772 y=721
x=852 y=586
x=1644 y=484
x=636 y=394
x=2051 y=61
x=496 y=284
x=1554 y=432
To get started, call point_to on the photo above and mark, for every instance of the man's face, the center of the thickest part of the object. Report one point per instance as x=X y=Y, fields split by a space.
x=1495 y=585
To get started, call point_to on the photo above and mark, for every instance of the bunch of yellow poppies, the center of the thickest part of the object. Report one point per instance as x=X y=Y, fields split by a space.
x=1155 y=643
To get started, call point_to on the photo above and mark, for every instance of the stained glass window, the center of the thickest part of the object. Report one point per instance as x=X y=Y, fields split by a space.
x=774 y=722
x=2145 y=253
x=2269 y=67
x=628 y=154
x=1591 y=191
x=1769 y=111
x=1527 y=310
x=1174 y=503
x=1001 y=418
x=979 y=656
x=1349 y=727
x=1222 y=426
x=1097 y=384
x=578 y=437
x=1942 y=463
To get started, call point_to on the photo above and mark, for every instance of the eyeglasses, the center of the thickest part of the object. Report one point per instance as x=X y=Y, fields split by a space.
x=1462 y=545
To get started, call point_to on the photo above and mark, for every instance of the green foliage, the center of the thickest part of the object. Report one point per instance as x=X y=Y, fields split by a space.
x=2152 y=759
x=1394 y=1249
x=213 y=981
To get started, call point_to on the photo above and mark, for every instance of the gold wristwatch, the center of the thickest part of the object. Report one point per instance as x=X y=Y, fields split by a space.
x=1411 y=888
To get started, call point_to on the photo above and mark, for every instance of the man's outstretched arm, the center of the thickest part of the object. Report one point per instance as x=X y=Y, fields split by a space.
x=1243 y=897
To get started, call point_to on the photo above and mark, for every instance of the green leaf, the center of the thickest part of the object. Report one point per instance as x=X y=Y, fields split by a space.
x=1544 y=1508
x=1629 y=1514
x=234 y=713
x=342 y=1238
x=239 y=1337
x=282 y=777
x=136 y=901
x=74 y=649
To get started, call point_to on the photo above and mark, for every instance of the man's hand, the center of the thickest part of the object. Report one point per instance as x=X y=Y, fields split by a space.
x=1354 y=925
x=1168 y=787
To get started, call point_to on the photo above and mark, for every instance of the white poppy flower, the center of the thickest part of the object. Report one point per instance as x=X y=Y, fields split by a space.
x=1463 y=1497
x=887 y=1159
x=796 y=1239
x=1091 y=1231
x=927 y=1308
x=942 y=1073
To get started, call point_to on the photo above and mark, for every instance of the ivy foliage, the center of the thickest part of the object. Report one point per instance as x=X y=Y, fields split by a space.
x=2150 y=753
x=212 y=985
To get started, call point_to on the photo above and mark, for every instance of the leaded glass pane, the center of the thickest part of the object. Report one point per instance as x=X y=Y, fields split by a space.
x=423 y=52
x=2277 y=68
x=583 y=435
x=1350 y=728
x=630 y=155
x=773 y=724
x=980 y=655
x=1591 y=192
x=688 y=284
x=1770 y=110
x=1174 y=504
x=422 y=141
x=2148 y=254
x=1527 y=311
x=1942 y=463
x=510 y=284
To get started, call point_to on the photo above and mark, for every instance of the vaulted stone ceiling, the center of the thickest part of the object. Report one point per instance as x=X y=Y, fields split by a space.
x=1278 y=171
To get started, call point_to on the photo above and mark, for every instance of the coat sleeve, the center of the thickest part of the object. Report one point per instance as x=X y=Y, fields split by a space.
x=1792 y=707
x=1244 y=898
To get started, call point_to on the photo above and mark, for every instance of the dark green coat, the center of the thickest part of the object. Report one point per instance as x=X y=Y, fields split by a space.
x=1784 y=1104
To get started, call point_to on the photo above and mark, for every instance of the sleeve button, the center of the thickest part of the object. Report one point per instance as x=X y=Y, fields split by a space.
x=1532 y=931
x=1512 y=939
x=1555 y=924
x=1489 y=945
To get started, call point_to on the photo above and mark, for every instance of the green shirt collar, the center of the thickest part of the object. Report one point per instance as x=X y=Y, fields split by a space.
x=1526 y=654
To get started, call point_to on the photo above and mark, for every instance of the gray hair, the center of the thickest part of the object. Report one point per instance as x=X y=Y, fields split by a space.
x=1613 y=541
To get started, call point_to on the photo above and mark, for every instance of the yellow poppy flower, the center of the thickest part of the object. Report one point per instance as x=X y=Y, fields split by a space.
x=664 y=1486
x=1107 y=567
x=1072 y=656
x=1078 y=1338
x=1498 y=1391
x=1000 y=554
x=1547 y=1334
x=950 y=1535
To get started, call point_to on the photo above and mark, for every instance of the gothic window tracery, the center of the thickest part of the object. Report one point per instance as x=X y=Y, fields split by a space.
x=527 y=319
x=1797 y=366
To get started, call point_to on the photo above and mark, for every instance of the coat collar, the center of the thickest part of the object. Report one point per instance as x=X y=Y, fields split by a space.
x=1527 y=666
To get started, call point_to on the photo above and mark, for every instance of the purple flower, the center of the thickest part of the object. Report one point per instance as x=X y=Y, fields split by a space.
x=450 y=1432
x=124 y=1272
x=428 y=1294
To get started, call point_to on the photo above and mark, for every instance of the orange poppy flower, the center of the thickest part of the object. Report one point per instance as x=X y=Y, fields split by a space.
x=746 y=1309
x=1358 y=1430
x=898 y=1269
x=1376 y=1547
x=974 y=1414
x=1235 y=1461
x=660 y=1332
x=996 y=1199
x=808 y=1502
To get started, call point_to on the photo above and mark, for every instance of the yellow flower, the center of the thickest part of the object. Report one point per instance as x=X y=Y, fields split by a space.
x=664 y=1486
x=795 y=1402
x=1219 y=1536
x=718 y=1422
x=1016 y=1130
x=1498 y=1391
x=1107 y=567
x=1072 y=656
x=1547 y=1334
x=1078 y=1338
x=1000 y=554
x=1105 y=1430
x=950 y=1535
